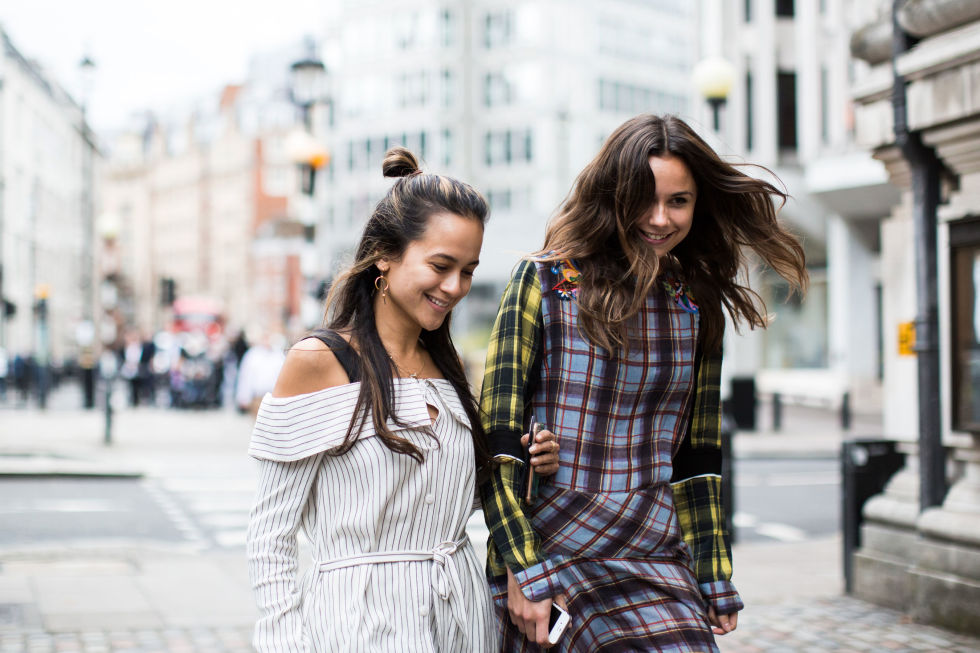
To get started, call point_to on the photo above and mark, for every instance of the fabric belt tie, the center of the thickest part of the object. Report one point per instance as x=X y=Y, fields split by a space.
x=444 y=579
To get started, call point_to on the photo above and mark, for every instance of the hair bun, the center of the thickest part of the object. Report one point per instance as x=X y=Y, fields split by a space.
x=399 y=162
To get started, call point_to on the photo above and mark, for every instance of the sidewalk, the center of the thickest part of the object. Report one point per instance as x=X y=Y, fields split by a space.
x=139 y=598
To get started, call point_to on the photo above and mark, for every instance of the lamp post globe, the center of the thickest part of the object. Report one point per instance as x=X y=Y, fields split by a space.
x=714 y=78
x=306 y=83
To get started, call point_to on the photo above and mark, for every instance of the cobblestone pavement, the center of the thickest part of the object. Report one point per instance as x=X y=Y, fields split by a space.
x=170 y=640
x=818 y=626
x=837 y=624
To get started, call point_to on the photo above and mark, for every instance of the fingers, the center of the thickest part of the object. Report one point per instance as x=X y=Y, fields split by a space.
x=530 y=617
x=545 y=444
x=722 y=624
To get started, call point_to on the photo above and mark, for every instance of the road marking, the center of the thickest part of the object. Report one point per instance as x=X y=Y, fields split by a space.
x=781 y=532
x=801 y=479
x=744 y=520
x=180 y=519
x=809 y=478
x=63 y=505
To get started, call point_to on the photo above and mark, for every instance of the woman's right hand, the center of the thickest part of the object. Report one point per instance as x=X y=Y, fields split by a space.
x=544 y=452
x=530 y=617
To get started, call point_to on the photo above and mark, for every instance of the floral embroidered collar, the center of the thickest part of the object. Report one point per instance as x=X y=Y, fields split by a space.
x=569 y=277
x=681 y=294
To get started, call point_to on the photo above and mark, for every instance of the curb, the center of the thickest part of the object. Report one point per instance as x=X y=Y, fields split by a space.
x=14 y=465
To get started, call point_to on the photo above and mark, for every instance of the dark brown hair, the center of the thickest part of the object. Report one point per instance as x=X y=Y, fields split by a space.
x=399 y=219
x=597 y=226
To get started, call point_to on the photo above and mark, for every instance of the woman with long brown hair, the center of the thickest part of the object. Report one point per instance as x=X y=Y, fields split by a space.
x=611 y=335
x=371 y=442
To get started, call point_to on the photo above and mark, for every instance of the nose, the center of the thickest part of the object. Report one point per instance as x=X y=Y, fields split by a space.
x=658 y=215
x=452 y=284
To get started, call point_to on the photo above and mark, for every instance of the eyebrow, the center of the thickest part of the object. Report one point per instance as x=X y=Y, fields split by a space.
x=452 y=259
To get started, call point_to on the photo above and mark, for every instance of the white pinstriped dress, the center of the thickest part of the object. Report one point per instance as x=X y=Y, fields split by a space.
x=393 y=567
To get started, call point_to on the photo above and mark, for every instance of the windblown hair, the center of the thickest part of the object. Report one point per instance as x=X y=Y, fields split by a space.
x=597 y=225
x=399 y=219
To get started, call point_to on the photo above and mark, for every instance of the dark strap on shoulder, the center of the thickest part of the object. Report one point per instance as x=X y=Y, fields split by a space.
x=348 y=358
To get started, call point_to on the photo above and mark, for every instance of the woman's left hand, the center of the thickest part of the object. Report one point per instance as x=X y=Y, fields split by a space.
x=544 y=452
x=722 y=624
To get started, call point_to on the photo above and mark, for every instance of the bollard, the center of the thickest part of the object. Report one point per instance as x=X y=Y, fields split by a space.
x=845 y=411
x=727 y=476
x=866 y=467
x=108 y=412
x=777 y=411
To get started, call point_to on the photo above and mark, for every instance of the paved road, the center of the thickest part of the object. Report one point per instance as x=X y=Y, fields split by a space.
x=206 y=506
x=57 y=511
x=786 y=500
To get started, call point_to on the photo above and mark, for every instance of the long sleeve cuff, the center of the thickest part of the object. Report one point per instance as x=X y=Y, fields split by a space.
x=539 y=582
x=511 y=530
x=722 y=596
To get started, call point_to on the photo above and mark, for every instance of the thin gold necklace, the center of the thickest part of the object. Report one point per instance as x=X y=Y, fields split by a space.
x=402 y=370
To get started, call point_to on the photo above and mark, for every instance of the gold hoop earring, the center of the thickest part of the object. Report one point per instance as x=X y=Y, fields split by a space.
x=381 y=284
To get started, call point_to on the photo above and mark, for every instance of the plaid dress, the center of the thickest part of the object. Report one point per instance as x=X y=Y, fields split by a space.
x=630 y=529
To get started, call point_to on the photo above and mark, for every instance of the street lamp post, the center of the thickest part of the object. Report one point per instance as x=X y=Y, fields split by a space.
x=713 y=78
x=307 y=89
x=307 y=78
x=87 y=358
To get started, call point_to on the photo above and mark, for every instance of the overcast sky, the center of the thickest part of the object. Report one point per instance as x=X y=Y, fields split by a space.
x=152 y=53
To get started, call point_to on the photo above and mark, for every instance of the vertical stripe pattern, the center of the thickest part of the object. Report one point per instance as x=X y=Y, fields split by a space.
x=393 y=569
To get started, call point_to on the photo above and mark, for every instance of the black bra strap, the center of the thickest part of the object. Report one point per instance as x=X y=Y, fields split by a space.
x=348 y=358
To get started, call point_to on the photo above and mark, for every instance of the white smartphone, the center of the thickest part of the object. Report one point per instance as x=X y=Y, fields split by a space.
x=557 y=623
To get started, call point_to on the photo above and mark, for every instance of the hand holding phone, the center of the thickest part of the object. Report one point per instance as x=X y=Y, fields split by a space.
x=557 y=623
x=529 y=478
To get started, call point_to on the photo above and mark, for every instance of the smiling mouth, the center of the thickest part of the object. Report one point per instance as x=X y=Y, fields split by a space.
x=656 y=238
x=438 y=302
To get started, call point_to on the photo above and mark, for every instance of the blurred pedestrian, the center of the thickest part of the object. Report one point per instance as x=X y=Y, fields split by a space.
x=147 y=379
x=259 y=370
x=4 y=372
x=129 y=366
x=371 y=442
x=612 y=333
x=20 y=377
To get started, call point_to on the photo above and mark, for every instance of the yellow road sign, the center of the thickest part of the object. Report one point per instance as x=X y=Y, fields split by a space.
x=906 y=339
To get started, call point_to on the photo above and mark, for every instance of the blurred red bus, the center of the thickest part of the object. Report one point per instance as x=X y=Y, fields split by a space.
x=194 y=314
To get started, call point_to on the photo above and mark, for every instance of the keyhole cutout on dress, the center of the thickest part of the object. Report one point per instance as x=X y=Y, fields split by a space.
x=433 y=412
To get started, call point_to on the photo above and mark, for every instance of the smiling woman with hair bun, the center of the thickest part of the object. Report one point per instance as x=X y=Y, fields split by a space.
x=371 y=443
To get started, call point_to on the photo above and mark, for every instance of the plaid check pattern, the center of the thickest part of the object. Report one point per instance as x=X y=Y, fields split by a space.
x=635 y=496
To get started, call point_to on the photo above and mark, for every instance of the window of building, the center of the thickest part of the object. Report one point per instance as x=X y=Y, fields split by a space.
x=621 y=97
x=447 y=25
x=797 y=337
x=785 y=8
x=748 y=11
x=749 y=108
x=498 y=29
x=824 y=105
x=786 y=110
x=448 y=88
x=964 y=237
x=497 y=90
x=509 y=146
x=447 y=147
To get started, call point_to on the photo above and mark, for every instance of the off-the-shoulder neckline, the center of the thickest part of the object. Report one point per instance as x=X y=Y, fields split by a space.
x=335 y=388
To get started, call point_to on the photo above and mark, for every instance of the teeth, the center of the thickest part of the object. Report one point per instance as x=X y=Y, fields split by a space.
x=437 y=302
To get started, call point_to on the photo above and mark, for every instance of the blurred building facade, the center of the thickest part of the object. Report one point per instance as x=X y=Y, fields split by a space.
x=790 y=110
x=916 y=555
x=47 y=157
x=203 y=202
x=501 y=94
